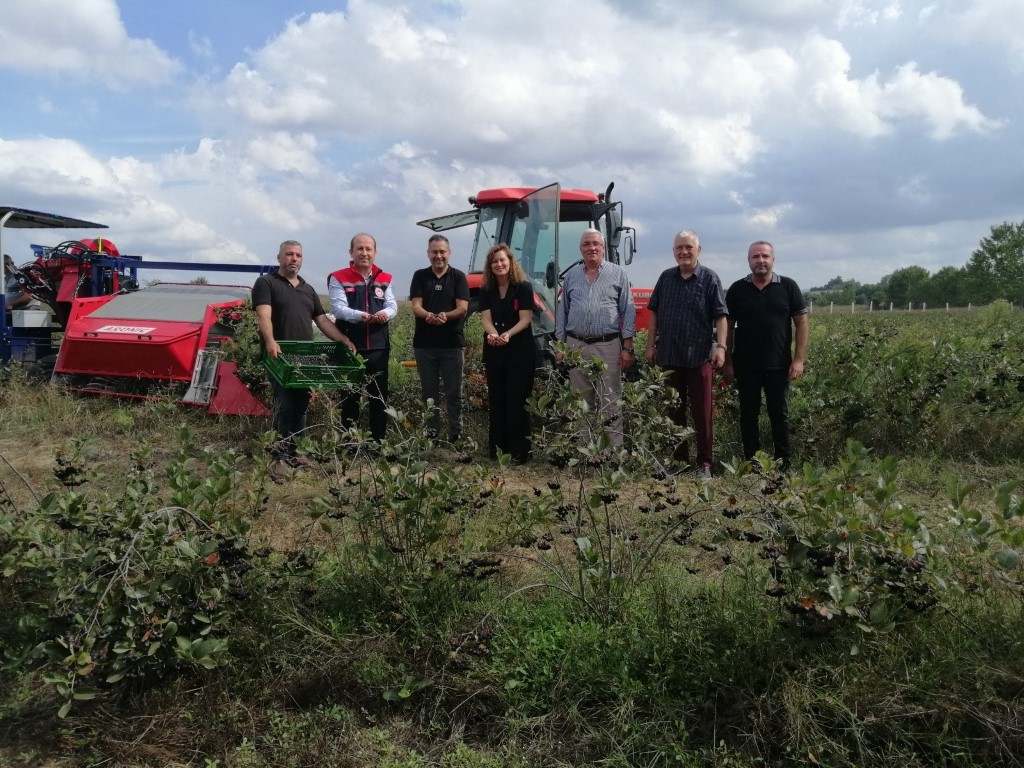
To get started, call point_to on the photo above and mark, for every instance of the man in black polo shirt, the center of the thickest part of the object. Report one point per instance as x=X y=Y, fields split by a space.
x=764 y=309
x=686 y=335
x=440 y=300
x=286 y=307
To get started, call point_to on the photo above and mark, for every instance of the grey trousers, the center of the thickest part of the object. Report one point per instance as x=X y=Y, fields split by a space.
x=437 y=368
x=605 y=395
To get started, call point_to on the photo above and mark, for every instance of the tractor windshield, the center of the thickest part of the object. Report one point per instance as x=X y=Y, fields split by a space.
x=488 y=232
x=534 y=241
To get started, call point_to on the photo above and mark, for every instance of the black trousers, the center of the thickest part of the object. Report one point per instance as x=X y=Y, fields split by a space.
x=508 y=390
x=290 y=406
x=775 y=385
x=376 y=387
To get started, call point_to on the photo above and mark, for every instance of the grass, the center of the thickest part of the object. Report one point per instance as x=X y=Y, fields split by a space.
x=474 y=645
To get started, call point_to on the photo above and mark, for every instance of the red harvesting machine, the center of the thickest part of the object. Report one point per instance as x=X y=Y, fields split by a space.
x=161 y=340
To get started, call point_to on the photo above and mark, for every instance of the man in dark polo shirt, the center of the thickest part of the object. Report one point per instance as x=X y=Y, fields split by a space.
x=686 y=336
x=286 y=307
x=440 y=300
x=764 y=310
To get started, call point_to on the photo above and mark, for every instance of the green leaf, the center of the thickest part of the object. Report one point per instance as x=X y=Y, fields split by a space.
x=63 y=711
x=1007 y=559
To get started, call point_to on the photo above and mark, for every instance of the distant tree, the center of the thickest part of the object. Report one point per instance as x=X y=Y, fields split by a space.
x=906 y=285
x=836 y=283
x=947 y=286
x=843 y=292
x=996 y=268
x=200 y=280
x=871 y=293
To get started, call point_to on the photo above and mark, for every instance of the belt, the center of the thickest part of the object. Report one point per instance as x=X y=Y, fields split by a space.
x=594 y=339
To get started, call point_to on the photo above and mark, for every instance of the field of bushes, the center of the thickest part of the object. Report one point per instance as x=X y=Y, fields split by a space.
x=163 y=602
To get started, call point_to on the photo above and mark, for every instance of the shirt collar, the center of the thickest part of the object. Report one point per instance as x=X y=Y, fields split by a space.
x=284 y=279
x=775 y=277
x=696 y=272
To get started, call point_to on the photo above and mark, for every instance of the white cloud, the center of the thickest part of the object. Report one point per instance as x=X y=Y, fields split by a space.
x=201 y=46
x=859 y=13
x=59 y=175
x=990 y=22
x=769 y=218
x=284 y=153
x=83 y=39
x=938 y=101
x=39 y=166
x=915 y=190
x=871 y=107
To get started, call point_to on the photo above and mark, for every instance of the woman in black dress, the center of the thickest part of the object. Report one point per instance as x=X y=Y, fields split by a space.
x=506 y=308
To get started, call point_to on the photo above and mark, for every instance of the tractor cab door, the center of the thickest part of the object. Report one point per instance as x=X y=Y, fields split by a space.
x=532 y=233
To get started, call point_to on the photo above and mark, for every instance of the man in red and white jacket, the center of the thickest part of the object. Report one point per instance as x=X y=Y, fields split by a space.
x=363 y=304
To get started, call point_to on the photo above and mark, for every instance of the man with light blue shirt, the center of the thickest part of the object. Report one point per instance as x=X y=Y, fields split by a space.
x=596 y=315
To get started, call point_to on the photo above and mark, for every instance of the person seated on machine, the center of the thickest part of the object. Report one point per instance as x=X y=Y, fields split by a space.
x=17 y=297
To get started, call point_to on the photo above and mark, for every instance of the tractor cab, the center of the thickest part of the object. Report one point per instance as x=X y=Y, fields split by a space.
x=543 y=228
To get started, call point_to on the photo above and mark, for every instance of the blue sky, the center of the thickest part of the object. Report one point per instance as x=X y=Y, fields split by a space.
x=859 y=136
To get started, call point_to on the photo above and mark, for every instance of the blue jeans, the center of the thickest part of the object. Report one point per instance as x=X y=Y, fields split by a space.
x=438 y=367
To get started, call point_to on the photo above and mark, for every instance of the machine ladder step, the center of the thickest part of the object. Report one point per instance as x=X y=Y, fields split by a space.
x=204 y=377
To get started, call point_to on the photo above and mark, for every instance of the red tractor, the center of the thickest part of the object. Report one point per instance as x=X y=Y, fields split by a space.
x=543 y=228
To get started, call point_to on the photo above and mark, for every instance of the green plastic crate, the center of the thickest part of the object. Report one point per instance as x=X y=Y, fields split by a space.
x=306 y=364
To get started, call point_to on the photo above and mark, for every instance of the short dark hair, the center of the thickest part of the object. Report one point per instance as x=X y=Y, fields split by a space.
x=438 y=237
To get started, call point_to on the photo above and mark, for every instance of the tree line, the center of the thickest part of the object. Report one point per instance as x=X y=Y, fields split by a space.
x=994 y=271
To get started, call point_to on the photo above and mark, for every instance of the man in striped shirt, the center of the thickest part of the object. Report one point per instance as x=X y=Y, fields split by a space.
x=596 y=315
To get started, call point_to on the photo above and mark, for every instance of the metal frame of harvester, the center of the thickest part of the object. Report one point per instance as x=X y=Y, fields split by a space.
x=122 y=340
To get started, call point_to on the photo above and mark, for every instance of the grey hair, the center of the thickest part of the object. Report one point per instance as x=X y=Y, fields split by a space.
x=761 y=242
x=591 y=231
x=687 y=233
x=286 y=243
